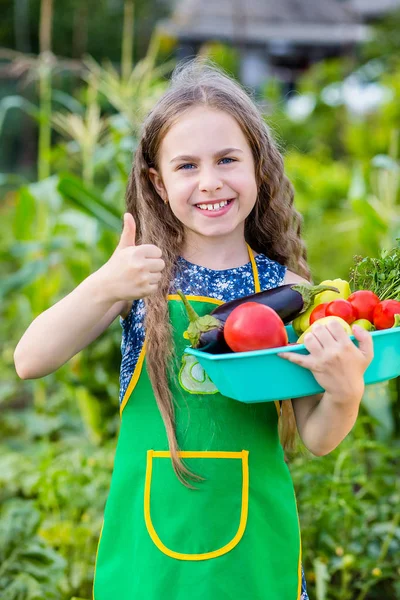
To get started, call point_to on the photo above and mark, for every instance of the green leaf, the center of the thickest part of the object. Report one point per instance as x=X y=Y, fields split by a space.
x=377 y=402
x=38 y=206
x=25 y=276
x=16 y=102
x=364 y=208
x=90 y=412
x=24 y=248
x=90 y=201
x=46 y=191
x=383 y=161
x=321 y=579
x=358 y=188
x=25 y=215
x=68 y=102
x=11 y=179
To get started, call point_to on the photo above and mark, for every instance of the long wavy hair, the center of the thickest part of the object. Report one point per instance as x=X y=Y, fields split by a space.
x=272 y=228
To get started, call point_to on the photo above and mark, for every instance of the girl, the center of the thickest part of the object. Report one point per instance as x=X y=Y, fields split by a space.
x=201 y=503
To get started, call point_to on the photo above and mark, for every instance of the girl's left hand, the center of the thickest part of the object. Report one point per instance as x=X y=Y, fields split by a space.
x=335 y=361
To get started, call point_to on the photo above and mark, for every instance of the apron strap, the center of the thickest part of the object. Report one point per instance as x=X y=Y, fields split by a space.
x=257 y=287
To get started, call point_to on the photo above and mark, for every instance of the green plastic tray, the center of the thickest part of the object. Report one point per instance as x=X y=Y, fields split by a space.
x=262 y=376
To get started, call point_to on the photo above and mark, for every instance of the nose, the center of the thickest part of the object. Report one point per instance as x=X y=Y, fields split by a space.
x=209 y=180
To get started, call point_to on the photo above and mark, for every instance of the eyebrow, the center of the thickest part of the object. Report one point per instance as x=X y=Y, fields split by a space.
x=216 y=155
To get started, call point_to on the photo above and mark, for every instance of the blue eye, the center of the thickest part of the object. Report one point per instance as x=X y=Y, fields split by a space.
x=187 y=166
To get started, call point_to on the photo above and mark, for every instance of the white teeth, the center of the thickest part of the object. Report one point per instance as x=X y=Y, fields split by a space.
x=215 y=206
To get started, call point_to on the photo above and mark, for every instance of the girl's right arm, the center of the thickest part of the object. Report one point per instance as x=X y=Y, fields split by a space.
x=74 y=322
x=63 y=330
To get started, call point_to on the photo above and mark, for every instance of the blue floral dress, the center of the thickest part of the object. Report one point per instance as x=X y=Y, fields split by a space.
x=192 y=279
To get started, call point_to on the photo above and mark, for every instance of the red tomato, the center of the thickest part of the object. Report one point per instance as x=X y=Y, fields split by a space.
x=343 y=309
x=318 y=312
x=253 y=326
x=384 y=313
x=364 y=301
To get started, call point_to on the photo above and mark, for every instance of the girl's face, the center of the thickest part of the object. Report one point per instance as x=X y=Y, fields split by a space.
x=206 y=173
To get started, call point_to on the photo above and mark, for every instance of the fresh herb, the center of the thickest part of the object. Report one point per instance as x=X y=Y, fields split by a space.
x=380 y=275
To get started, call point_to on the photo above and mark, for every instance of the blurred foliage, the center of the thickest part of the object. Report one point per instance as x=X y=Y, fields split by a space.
x=350 y=518
x=58 y=433
x=79 y=27
x=227 y=57
x=28 y=565
x=384 y=42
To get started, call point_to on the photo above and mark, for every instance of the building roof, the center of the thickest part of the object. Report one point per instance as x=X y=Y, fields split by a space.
x=260 y=21
x=374 y=8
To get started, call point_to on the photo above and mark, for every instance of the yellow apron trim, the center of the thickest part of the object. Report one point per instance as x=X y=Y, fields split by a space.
x=196 y=299
x=299 y=595
x=257 y=287
x=245 y=502
x=95 y=560
x=135 y=378
x=200 y=454
x=299 y=576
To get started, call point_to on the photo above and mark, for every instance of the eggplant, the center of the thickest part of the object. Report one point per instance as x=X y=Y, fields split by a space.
x=289 y=301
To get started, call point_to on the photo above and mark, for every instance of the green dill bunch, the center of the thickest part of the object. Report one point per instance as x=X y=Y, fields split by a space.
x=381 y=275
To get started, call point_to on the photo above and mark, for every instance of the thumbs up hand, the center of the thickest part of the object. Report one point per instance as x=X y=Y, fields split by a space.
x=133 y=272
x=128 y=235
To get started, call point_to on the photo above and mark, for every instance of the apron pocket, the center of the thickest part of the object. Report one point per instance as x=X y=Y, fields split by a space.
x=199 y=524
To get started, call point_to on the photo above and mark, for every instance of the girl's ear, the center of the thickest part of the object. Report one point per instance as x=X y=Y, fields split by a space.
x=157 y=182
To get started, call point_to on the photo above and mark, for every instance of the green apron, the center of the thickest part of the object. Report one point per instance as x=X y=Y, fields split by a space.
x=235 y=537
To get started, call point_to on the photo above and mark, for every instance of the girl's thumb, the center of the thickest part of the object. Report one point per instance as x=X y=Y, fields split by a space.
x=128 y=235
x=365 y=343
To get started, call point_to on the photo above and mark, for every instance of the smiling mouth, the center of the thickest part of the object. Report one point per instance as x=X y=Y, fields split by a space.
x=214 y=206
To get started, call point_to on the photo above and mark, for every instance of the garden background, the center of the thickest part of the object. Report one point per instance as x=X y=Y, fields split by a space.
x=71 y=103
